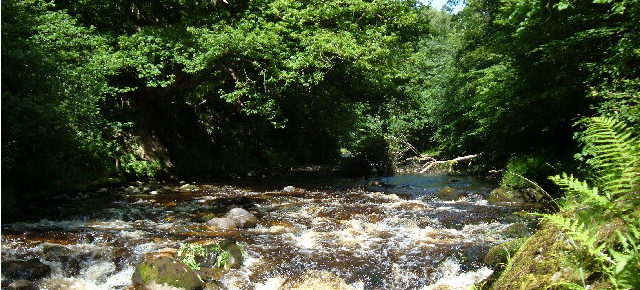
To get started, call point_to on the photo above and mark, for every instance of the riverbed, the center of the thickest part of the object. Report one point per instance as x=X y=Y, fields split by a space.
x=400 y=232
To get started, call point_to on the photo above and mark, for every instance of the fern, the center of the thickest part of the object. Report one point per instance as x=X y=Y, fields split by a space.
x=615 y=155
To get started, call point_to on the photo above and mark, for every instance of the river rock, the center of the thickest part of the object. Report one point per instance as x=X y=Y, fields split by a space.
x=516 y=230
x=25 y=270
x=225 y=224
x=448 y=194
x=132 y=189
x=236 y=258
x=54 y=252
x=502 y=194
x=189 y=187
x=242 y=218
x=165 y=271
x=22 y=285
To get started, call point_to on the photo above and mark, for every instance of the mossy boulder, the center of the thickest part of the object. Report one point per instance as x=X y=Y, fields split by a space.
x=516 y=230
x=538 y=263
x=448 y=194
x=502 y=194
x=164 y=270
x=500 y=254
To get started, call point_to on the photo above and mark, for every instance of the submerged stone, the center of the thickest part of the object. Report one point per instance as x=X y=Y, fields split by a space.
x=25 y=270
x=22 y=285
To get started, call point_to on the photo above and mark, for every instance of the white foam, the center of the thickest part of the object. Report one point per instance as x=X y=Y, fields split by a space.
x=449 y=276
x=271 y=284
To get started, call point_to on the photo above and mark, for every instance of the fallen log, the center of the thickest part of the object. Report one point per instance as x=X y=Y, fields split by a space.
x=451 y=162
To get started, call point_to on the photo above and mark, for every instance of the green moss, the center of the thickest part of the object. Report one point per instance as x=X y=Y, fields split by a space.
x=146 y=273
x=448 y=193
x=500 y=254
x=538 y=263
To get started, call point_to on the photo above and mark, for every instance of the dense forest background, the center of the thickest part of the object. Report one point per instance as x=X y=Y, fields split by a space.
x=97 y=91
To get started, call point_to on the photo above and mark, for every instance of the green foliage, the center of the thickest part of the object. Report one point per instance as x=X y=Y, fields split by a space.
x=191 y=253
x=188 y=253
x=520 y=73
x=102 y=88
x=521 y=169
x=613 y=204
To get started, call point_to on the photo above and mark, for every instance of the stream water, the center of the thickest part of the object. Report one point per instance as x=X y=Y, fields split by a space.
x=389 y=233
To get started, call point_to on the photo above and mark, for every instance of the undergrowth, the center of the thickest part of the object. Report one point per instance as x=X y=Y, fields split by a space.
x=601 y=217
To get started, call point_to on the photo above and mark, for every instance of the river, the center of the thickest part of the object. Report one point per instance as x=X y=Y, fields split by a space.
x=387 y=233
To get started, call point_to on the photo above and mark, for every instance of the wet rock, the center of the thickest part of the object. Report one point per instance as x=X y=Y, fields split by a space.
x=189 y=187
x=293 y=191
x=499 y=254
x=21 y=285
x=25 y=270
x=121 y=258
x=165 y=270
x=448 y=194
x=503 y=194
x=213 y=286
x=235 y=253
x=517 y=230
x=56 y=253
x=101 y=190
x=225 y=224
x=242 y=218
x=210 y=274
x=132 y=189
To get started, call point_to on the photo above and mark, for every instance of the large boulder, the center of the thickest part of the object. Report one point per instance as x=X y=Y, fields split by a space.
x=242 y=218
x=25 y=270
x=225 y=224
x=167 y=271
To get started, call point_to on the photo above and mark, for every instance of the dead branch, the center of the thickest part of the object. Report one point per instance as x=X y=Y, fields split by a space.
x=450 y=162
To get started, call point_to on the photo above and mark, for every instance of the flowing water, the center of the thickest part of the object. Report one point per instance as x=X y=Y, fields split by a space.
x=390 y=233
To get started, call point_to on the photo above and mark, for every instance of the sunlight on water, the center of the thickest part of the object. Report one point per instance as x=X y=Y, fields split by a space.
x=401 y=236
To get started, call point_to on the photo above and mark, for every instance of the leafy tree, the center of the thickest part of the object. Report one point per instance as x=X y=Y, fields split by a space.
x=523 y=71
x=98 y=88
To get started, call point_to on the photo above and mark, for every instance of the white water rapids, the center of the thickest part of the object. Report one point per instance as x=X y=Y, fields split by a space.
x=396 y=236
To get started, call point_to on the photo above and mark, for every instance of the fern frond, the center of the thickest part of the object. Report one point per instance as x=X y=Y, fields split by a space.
x=616 y=154
x=580 y=189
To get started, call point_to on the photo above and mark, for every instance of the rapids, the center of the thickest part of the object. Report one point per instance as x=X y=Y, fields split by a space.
x=393 y=233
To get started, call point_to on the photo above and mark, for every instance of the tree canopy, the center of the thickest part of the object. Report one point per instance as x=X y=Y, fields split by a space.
x=97 y=89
